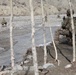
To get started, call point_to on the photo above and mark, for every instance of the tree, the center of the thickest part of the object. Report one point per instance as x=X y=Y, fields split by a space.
x=33 y=40
x=11 y=35
x=73 y=31
x=56 y=54
x=44 y=35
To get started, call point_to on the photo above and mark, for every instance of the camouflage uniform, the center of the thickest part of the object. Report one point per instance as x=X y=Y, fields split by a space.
x=66 y=29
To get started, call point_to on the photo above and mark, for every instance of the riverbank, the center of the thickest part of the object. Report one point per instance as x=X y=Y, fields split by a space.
x=64 y=56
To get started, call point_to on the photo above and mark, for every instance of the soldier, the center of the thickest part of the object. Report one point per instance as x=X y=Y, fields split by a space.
x=4 y=23
x=68 y=12
x=67 y=25
x=58 y=16
x=46 y=18
x=66 y=29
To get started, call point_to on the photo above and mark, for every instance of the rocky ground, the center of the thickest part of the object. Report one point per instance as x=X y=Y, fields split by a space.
x=21 y=7
x=64 y=55
x=65 y=67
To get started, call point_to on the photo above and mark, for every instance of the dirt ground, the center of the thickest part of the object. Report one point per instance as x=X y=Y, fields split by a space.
x=64 y=55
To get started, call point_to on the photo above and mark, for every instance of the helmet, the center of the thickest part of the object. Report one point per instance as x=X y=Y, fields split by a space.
x=68 y=12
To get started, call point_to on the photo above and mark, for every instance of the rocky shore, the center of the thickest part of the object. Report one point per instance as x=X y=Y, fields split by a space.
x=21 y=7
x=17 y=10
x=64 y=68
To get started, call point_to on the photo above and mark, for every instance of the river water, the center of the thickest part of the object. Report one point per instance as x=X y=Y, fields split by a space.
x=22 y=35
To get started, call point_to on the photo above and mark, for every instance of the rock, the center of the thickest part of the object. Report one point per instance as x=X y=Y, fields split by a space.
x=5 y=10
x=29 y=57
x=7 y=68
x=50 y=9
x=42 y=70
x=40 y=67
x=24 y=62
x=48 y=65
x=25 y=67
x=68 y=66
x=2 y=68
x=17 y=67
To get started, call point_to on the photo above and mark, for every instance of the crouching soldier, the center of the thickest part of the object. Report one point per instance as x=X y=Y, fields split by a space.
x=4 y=23
x=66 y=29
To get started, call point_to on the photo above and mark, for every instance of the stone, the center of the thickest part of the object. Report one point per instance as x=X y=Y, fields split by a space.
x=48 y=65
x=17 y=67
x=68 y=66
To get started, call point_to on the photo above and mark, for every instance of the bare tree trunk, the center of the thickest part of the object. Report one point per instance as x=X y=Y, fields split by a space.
x=56 y=54
x=44 y=35
x=33 y=40
x=73 y=31
x=11 y=35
